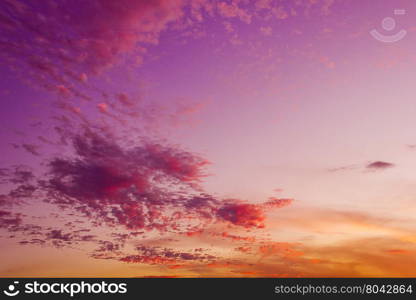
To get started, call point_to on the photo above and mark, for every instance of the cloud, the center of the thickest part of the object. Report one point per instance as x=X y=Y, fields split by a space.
x=364 y=257
x=110 y=184
x=379 y=165
x=263 y=4
x=9 y=220
x=130 y=188
x=372 y=166
x=267 y=31
x=343 y=168
x=56 y=48
x=125 y=186
x=33 y=149
x=62 y=48
x=166 y=256
x=398 y=251
x=55 y=34
x=245 y=215
x=278 y=202
x=280 y=13
x=315 y=220
x=232 y=10
x=285 y=250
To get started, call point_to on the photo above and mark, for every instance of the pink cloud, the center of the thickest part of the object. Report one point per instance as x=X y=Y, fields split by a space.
x=379 y=165
x=233 y=10
x=245 y=215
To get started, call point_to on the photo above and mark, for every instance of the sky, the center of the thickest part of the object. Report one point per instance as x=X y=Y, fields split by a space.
x=264 y=138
